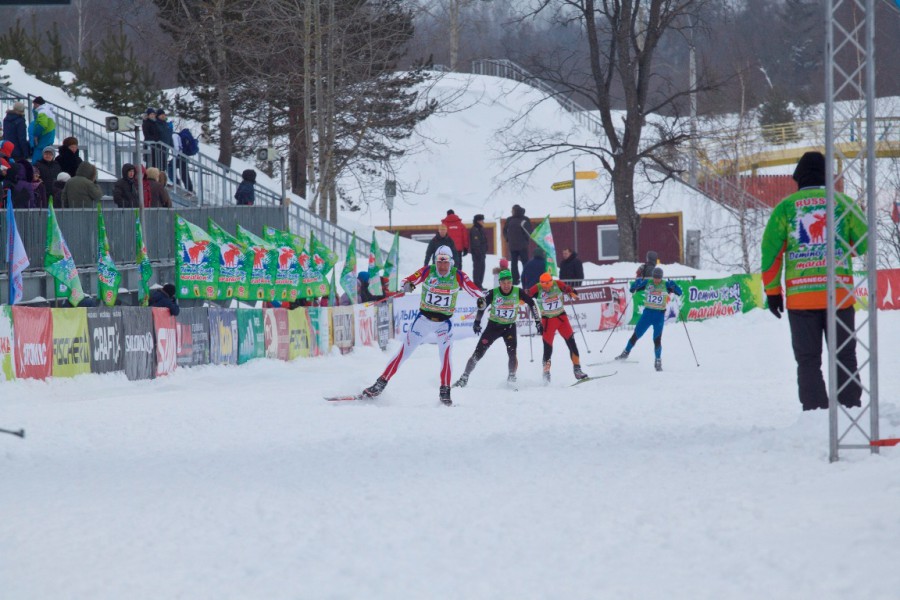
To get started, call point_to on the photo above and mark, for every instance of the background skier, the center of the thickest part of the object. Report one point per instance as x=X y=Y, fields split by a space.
x=550 y=294
x=656 y=296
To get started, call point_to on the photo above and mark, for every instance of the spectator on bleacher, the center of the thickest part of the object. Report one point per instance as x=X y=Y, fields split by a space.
x=69 y=158
x=6 y=148
x=246 y=192
x=145 y=183
x=159 y=196
x=15 y=130
x=42 y=129
x=22 y=190
x=166 y=134
x=151 y=134
x=58 y=186
x=40 y=191
x=125 y=192
x=48 y=167
x=181 y=165
x=165 y=298
x=82 y=190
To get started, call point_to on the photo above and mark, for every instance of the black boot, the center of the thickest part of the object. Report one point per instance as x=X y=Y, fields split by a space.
x=579 y=374
x=376 y=388
x=445 y=395
x=658 y=364
x=462 y=381
x=546 y=372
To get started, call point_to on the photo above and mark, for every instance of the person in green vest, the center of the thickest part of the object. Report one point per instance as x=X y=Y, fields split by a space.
x=42 y=129
x=795 y=242
x=503 y=304
x=550 y=294
x=441 y=283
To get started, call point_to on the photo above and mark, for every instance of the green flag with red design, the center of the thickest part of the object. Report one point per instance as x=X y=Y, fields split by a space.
x=58 y=262
x=108 y=276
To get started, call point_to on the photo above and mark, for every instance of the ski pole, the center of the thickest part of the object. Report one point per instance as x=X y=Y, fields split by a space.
x=577 y=320
x=530 y=348
x=616 y=326
x=20 y=433
x=690 y=342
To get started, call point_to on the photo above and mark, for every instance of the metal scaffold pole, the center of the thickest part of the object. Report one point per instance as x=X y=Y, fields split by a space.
x=850 y=105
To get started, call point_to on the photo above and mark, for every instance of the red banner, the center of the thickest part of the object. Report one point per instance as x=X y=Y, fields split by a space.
x=888 y=289
x=166 y=341
x=278 y=335
x=34 y=335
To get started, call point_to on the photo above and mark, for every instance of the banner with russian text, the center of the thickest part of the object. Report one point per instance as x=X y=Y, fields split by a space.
x=708 y=298
x=192 y=335
x=275 y=323
x=165 y=332
x=300 y=334
x=71 y=348
x=251 y=334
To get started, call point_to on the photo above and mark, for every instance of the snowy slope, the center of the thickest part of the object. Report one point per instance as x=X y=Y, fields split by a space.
x=697 y=482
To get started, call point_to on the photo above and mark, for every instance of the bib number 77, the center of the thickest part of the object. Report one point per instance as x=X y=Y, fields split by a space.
x=552 y=305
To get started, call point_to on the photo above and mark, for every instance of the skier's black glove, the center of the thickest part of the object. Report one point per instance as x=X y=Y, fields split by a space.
x=776 y=304
x=476 y=327
x=539 y=328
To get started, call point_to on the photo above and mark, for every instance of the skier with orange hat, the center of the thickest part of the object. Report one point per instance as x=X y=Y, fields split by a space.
x=550 y=294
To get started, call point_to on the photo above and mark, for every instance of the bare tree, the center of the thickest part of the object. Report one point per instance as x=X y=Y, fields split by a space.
x=618 y=73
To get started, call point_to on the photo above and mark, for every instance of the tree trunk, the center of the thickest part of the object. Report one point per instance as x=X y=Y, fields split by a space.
x=627 y=218
x=226 y=116
x=297 y=152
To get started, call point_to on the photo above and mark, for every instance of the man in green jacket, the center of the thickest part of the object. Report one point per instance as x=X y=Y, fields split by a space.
x=82 y=190
x=795 y=242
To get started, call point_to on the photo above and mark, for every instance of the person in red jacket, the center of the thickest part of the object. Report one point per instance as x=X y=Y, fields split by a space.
x=550 y=293
x=457 y=232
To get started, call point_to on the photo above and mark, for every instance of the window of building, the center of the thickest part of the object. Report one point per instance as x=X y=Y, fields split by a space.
x=608 y=242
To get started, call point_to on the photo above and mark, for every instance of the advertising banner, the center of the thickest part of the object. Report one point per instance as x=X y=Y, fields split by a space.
x=598 y=306
x=234 y=279
x=707 y=298
x=383 y=324
x=889 y=289
x=140 y=352
x=34 y=342
x=365 y=325
x=300 y=334
x=406 y=308
x=7 y=345
x=71 y=348
x=342 y=327
x=251 y=334
x=192 y=336
x=318 y=331
x=164 y=330
x=107 y=339
x=277 y=335
x=196 y=262
x=223 y=336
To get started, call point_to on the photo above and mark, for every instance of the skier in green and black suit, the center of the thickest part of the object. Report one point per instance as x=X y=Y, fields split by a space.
x=503 y=303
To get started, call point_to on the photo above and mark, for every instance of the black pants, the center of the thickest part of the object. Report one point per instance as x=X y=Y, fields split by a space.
x=491 y=334
x=478 y=269
x=514 y=257
x=808 y=329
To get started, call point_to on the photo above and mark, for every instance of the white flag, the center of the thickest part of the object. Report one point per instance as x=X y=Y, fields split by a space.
x=15 y=255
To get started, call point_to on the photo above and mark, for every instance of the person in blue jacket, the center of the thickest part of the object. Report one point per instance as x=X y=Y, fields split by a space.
x=165 y=298
x=656 y=295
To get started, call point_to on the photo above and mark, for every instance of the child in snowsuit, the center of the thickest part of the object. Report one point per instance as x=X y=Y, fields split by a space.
x=441 y=283
x=503 y=303
x=550 y=293
x=656 y=295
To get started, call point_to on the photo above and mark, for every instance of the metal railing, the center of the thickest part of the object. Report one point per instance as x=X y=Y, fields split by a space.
x=211 y=183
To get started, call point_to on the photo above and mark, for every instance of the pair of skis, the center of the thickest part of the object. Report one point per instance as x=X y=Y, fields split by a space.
x=354 y=397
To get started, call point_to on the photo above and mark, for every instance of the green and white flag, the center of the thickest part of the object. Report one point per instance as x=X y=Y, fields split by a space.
x=332 y=292
x=260 y=259
x=196 y=262
x=391 y=265
x=59 y=263
x=108 y=276
x=313 y=264
x=348 y=273
x=375 y=268
x=277 y=237
x=142 y=258
x=233 y=276
x=543 y=237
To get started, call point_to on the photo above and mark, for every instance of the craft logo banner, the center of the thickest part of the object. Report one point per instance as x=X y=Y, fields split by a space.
x=7 y=345
x=140 y=352
x=342 y=322
x=71 y=348
x=251 y=334
x=164 y=329
x=276 y=333
x=34 y=342
x=107 y=339
x=223 y=336
x=192 y=337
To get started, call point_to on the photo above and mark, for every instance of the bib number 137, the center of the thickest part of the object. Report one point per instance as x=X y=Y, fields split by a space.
x=440 y=300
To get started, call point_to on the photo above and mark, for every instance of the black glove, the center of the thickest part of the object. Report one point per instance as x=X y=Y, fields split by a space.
x=476 y=327
x=539 y=328
x=465 y=252
x=776 y=304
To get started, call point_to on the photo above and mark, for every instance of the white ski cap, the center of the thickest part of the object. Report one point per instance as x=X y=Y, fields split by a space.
x=444 y=251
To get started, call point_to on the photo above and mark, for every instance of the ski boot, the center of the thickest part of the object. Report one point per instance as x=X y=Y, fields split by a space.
x=511 y=379
x=376 y=388
x=579 y=374
x=445 y=395
x=658 y=364
x=462 y=381
x=547 y=372
x=623 y=356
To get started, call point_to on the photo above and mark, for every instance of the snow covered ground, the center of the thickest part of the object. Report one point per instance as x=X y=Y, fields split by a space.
x=697 y=482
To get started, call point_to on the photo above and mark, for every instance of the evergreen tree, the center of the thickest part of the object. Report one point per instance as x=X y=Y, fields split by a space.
x=114 y=79
x=40 y=53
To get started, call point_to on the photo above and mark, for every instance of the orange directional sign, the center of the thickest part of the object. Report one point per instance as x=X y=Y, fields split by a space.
x=585 y=174
x=562 y=185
